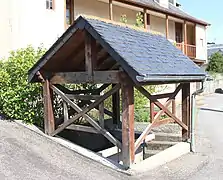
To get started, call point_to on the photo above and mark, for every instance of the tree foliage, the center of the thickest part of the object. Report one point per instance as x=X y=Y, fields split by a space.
x=18 y=98
x=215 y=63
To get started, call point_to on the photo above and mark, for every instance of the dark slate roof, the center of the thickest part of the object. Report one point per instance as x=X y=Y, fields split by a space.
x=214 y=49
x=173 y=10
x=141 y=54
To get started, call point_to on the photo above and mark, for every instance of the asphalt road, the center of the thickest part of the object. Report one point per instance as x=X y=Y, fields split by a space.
x=26 y=155
x=207 y=162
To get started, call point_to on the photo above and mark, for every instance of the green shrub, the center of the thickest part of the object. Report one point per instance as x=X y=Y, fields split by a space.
x=18 y=98
x=215 y=63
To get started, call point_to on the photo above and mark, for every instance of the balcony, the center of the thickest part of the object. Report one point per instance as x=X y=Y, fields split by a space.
x=189 y=50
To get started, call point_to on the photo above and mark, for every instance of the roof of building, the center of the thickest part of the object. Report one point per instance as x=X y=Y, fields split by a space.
x=146 y=57
x=214 y=48
x=171 y=10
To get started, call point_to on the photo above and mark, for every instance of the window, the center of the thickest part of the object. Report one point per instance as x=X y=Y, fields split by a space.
x=50 y=4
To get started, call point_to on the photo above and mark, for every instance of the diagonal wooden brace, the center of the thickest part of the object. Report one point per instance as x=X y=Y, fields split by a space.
x=82 y=112
x=161 y=106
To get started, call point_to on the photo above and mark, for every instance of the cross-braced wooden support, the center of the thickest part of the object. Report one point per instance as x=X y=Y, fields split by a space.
x=49 y=124
x=186 y=110
x=128 y=134
x=163 y=109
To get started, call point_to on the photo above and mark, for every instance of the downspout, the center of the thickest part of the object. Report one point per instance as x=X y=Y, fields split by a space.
x=193 y=113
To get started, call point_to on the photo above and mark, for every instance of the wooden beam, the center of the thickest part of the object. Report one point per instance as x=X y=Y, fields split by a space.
x=185 y=37
x=151 y=111
x=65 y=111
x=98 y=77
x=145 y=18
x=116 y=107
x=82 y=112
x=128 y=135
x=157 y=103
x=101 y=115
x=186 y=110
x=167 y=26
x=71 y=11
x=110 y=10
x=174 y=106
x=49 y=123
x=83 y=97
x=90 y=53
x=82 y=128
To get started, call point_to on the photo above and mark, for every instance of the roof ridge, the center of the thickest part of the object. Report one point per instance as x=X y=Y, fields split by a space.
x=119 y=24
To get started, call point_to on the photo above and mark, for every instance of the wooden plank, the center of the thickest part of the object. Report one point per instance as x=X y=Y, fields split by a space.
x=174 y=106
x=82 y=128
x=110 y=10
x=167 y=26
x=71 y=11
x=186 y=110
x=162 y=96
x=83 y=97
x=157 y=103
x=49 y=123
x=101 y=115
x=99 y=77
x=151 y=111
x=82 y=112
x=90 y=54
x=116 y=107
x=185 y=37
x=128 y=135
x=65 y=111
x=145 y=18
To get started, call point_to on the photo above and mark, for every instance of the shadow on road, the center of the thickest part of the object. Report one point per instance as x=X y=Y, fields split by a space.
x=214 y=110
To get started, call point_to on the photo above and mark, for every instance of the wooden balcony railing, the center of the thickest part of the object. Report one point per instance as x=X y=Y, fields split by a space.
x=189 y=50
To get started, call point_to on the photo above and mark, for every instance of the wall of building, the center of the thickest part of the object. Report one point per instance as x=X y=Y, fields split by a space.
x=28 y=22
x=201 y=42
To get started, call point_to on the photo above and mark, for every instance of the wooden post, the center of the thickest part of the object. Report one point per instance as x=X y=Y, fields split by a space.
x=116 y=107
x=167 y=26
x=128 y=135
x=110 y=10
x=145 y=19
x=174 y=106
x=49 y=124
x=101 y=114
x=151 y=111
x=71 y=11
x=90 y=54
x=185 y=37
x=186 y=110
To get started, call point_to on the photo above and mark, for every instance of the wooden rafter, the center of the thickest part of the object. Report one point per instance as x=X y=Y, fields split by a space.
x=82 y=112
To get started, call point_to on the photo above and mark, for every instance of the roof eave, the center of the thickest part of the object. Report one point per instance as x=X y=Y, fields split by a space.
x=170 y=78
x=141 y=5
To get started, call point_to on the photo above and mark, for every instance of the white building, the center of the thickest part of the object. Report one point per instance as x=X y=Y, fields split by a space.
x=25 y=22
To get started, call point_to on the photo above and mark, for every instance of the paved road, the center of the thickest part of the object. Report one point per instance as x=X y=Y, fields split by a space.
x=207 y=162
x=29 y=156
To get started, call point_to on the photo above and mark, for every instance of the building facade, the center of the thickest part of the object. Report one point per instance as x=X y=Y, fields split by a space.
x=42 y=22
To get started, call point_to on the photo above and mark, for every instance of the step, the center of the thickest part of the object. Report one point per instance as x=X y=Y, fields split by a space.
x=167 y=128
x=149 y=153
x=159 y=145
x=160 y=136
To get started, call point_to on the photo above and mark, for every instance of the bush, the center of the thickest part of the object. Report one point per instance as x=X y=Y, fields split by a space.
x=216 y=63
x=18 y=99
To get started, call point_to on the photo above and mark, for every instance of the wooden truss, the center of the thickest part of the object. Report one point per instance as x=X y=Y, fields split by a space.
x=94 y=99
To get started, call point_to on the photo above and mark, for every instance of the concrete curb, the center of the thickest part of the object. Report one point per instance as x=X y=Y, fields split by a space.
x=161 y=158
x=76 y=148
